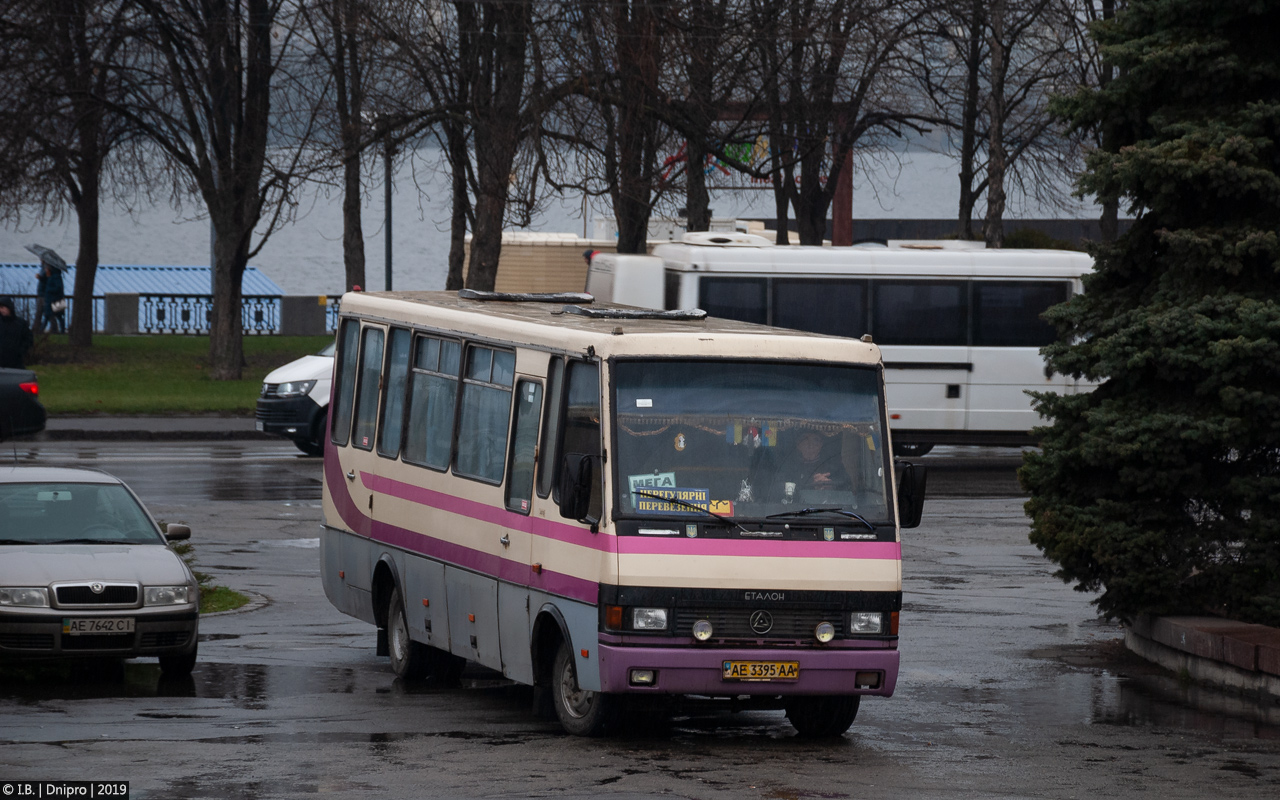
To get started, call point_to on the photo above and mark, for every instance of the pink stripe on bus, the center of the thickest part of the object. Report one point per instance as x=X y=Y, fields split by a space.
x=559 y=531
x=448 y=552
x=681 y=546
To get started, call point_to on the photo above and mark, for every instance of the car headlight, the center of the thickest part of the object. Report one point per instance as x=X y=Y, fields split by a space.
x=295 y=388
x=865 y=622
x=649 y=619
x=22 y=596
x=168 y=595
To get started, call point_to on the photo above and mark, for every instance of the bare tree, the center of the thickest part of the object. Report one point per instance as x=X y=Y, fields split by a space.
x=213 y=98
x=713 y=96
x=342 y=36
x=472 y=71
x=834 y=72
x=988 y=69
x=1089 y=67
x=58 y=141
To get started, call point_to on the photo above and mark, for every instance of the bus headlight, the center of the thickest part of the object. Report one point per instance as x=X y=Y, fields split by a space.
x=702 y=630
x=649 y=619
x=865 y=622
x=825 y=632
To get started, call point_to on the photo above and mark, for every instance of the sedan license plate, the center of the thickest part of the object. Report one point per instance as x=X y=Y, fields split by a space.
x=97 y=625
x=761 y=670
x=257 y=424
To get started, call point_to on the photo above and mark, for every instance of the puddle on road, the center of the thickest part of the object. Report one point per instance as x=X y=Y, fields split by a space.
x=1097 y=684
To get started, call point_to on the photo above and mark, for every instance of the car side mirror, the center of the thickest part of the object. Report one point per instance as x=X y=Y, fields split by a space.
x=175 y=532
x=577 y=472
x=911 y=483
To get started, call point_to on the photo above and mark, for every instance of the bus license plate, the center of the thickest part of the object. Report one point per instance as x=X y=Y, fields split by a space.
x=761 y=670
x=97 y=625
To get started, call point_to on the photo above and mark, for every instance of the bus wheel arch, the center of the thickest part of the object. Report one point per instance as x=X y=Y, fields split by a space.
x=381 y=587
x=549 y=629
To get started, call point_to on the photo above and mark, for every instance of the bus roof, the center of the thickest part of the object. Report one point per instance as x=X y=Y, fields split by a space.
x=875 y=261
x=545 y=326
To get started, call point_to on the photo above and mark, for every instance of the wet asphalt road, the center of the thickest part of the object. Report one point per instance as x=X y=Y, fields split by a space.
x=1011 y=686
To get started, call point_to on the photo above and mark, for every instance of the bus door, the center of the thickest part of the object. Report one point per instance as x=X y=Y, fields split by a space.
x=520 y=501
x=354 y=428
x=1007 y=336
x=922 y=329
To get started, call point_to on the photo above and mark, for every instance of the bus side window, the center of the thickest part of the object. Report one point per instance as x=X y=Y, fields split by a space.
x=837 y=307
x=345 y=375
x=1007 y=313
x=524 y=441
x=581 y=434
x=551 y=427
x=485 y=414
x=433 y=396
x=367 y=391
x=920 y=312
x=743 y=299
x=394 y=383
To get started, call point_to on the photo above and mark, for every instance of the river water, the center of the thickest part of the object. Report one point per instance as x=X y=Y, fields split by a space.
x=305 y=256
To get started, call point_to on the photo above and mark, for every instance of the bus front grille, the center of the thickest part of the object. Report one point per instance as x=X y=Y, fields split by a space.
x=735 y=623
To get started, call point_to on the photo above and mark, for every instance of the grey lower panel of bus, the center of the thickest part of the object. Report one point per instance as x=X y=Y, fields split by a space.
x=469 y=614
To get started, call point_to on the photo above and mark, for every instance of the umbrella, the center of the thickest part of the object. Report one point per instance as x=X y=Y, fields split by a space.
x=47 y=256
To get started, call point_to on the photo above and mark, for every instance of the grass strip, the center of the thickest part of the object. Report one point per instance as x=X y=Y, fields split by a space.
x=155 y=374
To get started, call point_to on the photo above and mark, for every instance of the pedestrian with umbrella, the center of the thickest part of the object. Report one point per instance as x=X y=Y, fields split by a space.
x=52 y=289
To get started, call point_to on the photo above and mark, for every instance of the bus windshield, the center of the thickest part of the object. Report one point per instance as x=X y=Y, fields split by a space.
x=748 y=439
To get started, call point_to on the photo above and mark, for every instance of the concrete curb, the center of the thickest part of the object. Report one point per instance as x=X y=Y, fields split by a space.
x=80 y=435
x=1218 y=652
x=256 y=601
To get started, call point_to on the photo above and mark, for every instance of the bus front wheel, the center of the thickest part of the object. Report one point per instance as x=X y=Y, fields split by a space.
x=822 y=717
x=581 y=712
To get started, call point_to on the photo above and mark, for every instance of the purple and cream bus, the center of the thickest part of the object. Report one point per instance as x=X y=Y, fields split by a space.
x=602 y=501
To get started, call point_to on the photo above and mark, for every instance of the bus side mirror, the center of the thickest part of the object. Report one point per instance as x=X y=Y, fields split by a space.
x=911 y=481
x=576 y=473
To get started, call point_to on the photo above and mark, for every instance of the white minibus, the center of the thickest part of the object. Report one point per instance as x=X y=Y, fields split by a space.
x=614 y=504
x=960 y=327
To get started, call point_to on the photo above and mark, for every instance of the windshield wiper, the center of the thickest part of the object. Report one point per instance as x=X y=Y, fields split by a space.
x=692 y=506
x=804 y=512
x=84 y=541
x=15 y=541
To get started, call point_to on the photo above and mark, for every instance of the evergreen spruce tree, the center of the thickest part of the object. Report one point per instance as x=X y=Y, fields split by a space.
x=1161 y=488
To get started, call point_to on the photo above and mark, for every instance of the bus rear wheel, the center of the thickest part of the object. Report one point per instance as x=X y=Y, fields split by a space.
x=822 y=717
x=413 y=660
x=581 y=712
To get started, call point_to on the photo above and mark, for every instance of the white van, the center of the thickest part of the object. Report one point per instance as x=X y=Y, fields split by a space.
x=295 y=401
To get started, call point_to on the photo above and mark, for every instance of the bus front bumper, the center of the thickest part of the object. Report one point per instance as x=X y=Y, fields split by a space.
x=700 y=671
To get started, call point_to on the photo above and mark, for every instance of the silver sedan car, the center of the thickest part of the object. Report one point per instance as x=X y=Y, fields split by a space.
x=86 y=572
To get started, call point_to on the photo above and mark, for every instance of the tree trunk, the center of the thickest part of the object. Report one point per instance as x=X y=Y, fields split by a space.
x=1109 y=222
x=498 y=130
x=969 y=122
x=697 y=198
x=226 y=329
x=81 y=329
x=811 y=210
x=456 y=143
x=349 y=91
x=352 y=223
x=994 y=228
x=637 y=70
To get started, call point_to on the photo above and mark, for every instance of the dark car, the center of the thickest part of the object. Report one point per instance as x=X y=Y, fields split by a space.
x=85 y=573
x=20 y=409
